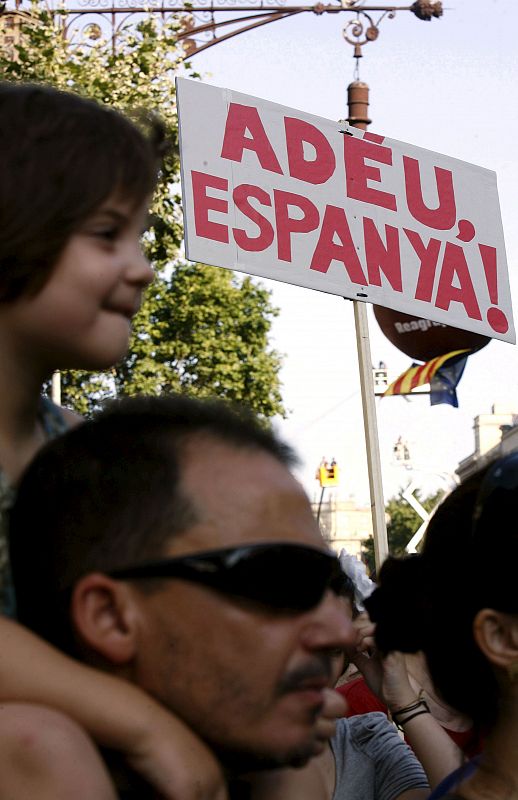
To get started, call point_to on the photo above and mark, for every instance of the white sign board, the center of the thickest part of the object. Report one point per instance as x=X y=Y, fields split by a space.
x=283 y=194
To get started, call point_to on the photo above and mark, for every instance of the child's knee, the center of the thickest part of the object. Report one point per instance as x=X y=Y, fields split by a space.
x=44 y=754
x=34 y=733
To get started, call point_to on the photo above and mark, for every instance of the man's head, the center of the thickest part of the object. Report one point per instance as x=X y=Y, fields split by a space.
x=165 y=478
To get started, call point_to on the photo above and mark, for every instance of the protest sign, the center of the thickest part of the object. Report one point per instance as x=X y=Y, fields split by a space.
x=287 y=195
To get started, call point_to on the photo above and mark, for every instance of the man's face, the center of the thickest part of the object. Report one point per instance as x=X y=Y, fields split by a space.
x=249 y=680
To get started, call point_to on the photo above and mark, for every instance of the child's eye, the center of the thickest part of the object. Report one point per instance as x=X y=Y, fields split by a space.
x=108 y=234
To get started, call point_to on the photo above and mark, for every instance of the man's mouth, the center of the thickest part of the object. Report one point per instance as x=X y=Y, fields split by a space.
x=308 y=684
x=311 y=685
x=311 y=691
x=312 y=677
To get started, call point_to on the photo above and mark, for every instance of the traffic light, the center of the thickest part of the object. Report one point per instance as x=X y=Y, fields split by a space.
x=328 y=476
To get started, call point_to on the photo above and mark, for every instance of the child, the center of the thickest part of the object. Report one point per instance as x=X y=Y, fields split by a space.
x=75 y=181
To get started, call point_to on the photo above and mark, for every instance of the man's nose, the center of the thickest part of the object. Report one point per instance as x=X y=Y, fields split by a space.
x=328 y=626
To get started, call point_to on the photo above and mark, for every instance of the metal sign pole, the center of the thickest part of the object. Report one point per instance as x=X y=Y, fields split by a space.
x=371 y=433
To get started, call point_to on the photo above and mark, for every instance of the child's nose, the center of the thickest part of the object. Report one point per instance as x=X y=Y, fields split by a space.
x=140 y=270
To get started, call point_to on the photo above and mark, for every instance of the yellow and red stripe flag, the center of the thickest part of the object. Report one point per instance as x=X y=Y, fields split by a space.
x=419 y=374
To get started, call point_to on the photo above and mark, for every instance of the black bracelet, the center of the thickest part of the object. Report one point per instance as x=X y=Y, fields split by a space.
x=419 y=703
x=412 y=716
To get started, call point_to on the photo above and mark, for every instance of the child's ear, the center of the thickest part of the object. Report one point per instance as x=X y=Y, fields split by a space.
x=496 y=634
x=104 y=617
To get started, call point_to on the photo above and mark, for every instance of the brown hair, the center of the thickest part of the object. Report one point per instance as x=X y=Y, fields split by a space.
x=61 y=157
x=108 y=494
x=429 y=601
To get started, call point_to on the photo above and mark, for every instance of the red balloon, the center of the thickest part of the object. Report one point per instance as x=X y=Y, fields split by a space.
x=422 y=339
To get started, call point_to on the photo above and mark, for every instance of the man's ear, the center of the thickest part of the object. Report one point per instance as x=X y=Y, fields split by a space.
x=105 y=617
x=496 y=634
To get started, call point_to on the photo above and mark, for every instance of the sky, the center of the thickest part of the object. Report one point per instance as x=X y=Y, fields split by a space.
x=449 y=85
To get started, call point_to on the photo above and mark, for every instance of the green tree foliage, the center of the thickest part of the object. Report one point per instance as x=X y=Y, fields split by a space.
x=201 y=330
x=402 y=523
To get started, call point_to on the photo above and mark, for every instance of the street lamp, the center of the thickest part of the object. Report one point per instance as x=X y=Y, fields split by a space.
x=206 y=24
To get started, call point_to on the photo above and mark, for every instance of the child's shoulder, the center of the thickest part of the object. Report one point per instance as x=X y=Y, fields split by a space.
x=56 y=419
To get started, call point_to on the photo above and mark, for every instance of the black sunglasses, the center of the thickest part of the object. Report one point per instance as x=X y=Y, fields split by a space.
x=500 y=479
x=282 y=576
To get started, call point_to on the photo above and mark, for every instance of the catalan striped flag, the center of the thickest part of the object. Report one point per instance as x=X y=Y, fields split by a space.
x=419 y=374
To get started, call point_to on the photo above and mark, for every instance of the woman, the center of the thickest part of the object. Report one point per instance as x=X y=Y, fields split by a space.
x=393 y=683
x=457 y=602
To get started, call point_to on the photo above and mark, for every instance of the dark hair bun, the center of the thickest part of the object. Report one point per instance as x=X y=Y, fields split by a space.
x=400 y=606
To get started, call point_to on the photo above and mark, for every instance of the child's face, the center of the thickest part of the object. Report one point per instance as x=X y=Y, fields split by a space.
x=81 y=318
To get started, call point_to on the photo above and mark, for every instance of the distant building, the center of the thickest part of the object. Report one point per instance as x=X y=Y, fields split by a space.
x=496 y=434
x=10 y=30
x=344 y=523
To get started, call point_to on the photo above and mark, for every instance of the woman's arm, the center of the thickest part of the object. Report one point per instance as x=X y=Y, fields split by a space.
x=388 y=679
x=116 y=714
x=436 y=751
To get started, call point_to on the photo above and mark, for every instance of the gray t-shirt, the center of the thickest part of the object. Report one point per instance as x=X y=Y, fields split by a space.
x=372 y=761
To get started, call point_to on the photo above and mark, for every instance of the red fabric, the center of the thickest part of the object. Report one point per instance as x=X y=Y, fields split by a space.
x=360 y=700
x=470 y=741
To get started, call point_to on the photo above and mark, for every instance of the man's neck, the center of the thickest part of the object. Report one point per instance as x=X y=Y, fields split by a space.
x=315 y=779
x=239 y=789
